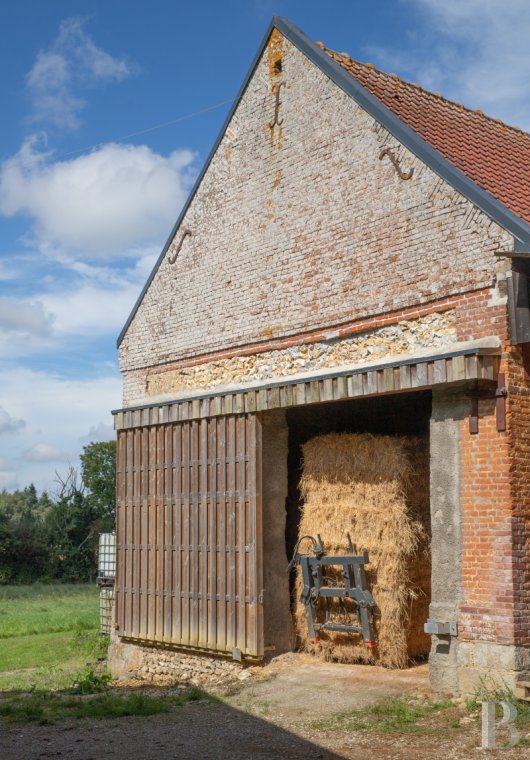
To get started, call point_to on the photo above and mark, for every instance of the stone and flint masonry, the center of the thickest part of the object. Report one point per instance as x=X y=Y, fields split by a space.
x=353 y=257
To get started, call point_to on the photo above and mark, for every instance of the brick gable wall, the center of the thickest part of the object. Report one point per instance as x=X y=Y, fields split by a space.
x=302 y=227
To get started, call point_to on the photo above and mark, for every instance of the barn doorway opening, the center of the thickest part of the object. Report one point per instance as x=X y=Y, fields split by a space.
x=362 y=466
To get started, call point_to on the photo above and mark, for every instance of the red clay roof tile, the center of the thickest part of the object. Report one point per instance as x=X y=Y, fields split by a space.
x=492 y=154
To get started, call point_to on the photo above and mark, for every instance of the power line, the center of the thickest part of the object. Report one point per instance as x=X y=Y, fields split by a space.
x=145 y=131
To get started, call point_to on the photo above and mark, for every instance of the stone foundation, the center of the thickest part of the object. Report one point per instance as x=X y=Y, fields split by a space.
x=160 y=666
x=483 y=661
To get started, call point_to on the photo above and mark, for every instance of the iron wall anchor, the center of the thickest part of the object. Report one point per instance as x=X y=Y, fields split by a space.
x=401 y=174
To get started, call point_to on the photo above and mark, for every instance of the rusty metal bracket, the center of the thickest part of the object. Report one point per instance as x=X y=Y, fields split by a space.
x=277 y=105
x=401 y=174
x=499 y=394
x=171 y=259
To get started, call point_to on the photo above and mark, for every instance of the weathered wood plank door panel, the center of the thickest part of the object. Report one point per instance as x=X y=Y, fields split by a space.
x=189 y=534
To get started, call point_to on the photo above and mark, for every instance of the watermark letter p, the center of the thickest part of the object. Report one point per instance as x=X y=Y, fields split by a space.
x=489 y=729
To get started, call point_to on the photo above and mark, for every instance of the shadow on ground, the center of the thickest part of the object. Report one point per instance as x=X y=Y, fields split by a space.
x=206 y=729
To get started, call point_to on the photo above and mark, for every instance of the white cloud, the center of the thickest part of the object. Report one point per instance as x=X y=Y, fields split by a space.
x=105 y=202
x=8 y=424
x=8 y=479
x=26 y=327
x=81 y=302
x=24 y=317
x=56 y=409
x=8 y=271
x=90 y=310
x=72 y=59
x=44 y=452
x=99 y=432
x=473 y=51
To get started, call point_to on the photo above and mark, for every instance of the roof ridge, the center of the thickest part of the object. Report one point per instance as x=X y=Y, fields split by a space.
x=344 y=58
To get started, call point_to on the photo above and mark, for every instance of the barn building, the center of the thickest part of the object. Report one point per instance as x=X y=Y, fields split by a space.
x=353 y=258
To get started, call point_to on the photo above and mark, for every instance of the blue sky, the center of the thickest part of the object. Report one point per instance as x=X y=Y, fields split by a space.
x=108 y=111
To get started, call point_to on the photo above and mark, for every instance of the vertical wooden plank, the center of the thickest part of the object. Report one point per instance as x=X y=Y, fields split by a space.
x=151 y=538
x=241 y=486
x=144 y=531
x=186 y=537
x=300 y=393
x=340 y=388
x=212 y=538
x=257 y=477
x=195 y=557
x=459 y=368
x=203 y=505
x=421 y=374
x=273 y=398
x=371 y=382
x=355 y=388
x=471 y=367
x=250 y=401
x=439 y=375
x=261 y=402
x=255 y=571
x=176 y=619
x=223 y=502
x=137 y=501
x=388 y=379
x=161 y=548
x=430 y=373
x=314 y=392
x=488 y=367
x=231 y=582
x=168 y=537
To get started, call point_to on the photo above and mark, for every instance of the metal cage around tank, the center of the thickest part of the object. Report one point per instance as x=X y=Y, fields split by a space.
x=105 y=580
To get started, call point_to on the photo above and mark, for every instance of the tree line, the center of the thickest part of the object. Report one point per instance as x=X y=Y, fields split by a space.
x=44 y=538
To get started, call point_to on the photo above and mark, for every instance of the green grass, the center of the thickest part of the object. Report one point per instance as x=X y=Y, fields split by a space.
x=47 y=635
x=393 y=715
x=29 y=610
x=42 y=650
x=48 y=708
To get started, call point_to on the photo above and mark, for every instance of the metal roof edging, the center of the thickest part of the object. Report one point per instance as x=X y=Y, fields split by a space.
x=401 y=131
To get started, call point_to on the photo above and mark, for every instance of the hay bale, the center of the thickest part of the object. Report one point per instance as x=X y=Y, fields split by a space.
x=377 y=489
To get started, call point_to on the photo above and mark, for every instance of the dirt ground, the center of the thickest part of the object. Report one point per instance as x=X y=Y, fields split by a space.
x=283 y=711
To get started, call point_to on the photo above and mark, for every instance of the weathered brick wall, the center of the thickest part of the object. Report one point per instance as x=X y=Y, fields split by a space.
x=487 y=563
x=496 y=514
x=302 y=227
x=518 y=379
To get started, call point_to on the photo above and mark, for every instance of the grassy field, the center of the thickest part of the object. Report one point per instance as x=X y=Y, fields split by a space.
x=47 y=635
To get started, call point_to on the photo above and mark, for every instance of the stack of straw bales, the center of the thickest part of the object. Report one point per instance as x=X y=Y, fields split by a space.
x=377 y=489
